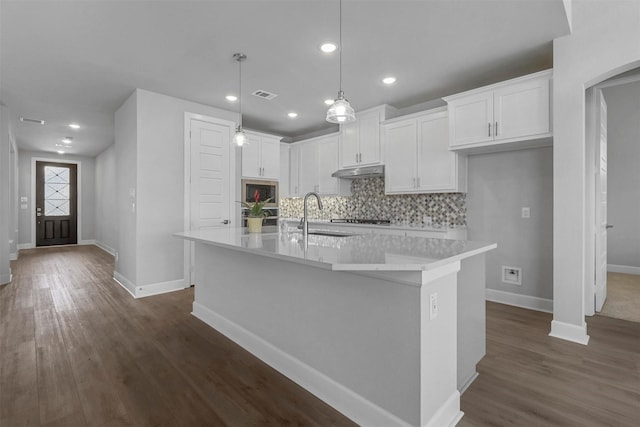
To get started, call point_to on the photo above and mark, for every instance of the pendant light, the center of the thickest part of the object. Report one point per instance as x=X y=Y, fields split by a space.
x=239 y=138
x=341 y=111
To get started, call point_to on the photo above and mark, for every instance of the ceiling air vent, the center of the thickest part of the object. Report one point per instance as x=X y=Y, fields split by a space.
x=28 y=120
x=264 y=94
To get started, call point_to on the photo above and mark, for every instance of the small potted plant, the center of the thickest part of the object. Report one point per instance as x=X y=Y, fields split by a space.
x=256 y=214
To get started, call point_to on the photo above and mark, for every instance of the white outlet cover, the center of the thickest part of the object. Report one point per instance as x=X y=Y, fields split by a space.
x=526 y=212
x=511 y=275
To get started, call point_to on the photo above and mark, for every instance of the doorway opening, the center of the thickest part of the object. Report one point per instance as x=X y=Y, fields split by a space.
x=56 y=203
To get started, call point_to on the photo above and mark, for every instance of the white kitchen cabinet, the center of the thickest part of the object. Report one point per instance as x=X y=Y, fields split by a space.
x=508 y=115
x=284 y=188
x=312 y=163
x=261 y=156
x=417 y=155
x=360 y=140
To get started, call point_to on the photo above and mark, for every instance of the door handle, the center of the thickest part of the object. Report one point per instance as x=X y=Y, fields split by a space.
x=489 y=126
x=226 y=221
x=608 y=226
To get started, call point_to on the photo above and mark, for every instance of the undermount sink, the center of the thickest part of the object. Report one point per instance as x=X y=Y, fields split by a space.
x=332 y=233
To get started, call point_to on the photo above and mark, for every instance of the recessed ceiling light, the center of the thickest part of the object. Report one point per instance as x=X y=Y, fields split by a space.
x=67 y=140
x=389 y=80
x=292 y=115
x=74 y=126
x=329 y=101
x=60 y=152
x=328 y=47
x=231 y=98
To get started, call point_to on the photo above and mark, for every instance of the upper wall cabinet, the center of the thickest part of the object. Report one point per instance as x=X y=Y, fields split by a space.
x=360 y=140
x=508 y=115
x=417 y=156
x=312 y=163
x=261 y=156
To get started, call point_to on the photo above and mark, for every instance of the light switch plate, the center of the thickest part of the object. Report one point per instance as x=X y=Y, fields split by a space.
x=526 y=212
x=433 y=306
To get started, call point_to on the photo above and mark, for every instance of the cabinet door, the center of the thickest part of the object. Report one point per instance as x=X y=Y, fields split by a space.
x=307 y=171
x=294 y=168
x=437 y=168
x=327 y=164
x=369 y=138
x=251 y=157
x=522 y=109
x=400 y=157
x=284 y=187
x=349 y=152
x=270 y=158
x=471 y=119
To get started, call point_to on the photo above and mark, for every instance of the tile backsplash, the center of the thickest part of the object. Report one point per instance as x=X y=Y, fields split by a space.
x=368 y=201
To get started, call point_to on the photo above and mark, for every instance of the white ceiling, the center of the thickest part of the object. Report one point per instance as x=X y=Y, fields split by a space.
x=77 y=61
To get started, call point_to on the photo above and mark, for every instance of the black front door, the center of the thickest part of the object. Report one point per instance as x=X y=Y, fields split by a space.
x=56 y=204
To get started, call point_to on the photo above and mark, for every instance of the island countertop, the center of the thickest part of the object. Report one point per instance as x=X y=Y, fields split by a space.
x=358 y=252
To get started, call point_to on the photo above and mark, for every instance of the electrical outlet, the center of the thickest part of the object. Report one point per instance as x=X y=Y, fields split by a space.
x=512 y=275
x=433 y=306
x=526 y=212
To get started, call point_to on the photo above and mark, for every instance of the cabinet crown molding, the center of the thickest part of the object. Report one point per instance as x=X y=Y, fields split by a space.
x=546 y=73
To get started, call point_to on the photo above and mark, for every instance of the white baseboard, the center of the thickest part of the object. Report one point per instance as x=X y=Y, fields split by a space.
x=106 y=248
x=127 y=284
x=569 y=332
x=519 y=300
x=351 y=404
x=468 y=382
x=159 y=288
x=25 y=246
x=448 y=414
x=5 y=278
x=148 y=290
x=626 y=269
x=87 y=242
x=13 y=256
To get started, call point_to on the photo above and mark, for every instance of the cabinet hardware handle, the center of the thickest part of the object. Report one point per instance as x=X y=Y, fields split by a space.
x=226 y=221
x=489 y=126
x=495 y=132
x=360 y=157
x=418 y=182
x=414 y=182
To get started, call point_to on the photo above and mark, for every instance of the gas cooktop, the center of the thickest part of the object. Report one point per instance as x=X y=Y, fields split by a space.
x=362 y=221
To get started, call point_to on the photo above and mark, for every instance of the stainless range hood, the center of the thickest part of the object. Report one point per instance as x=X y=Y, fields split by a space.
x=361 y=172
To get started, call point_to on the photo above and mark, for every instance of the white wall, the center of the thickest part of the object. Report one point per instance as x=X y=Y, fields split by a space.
x=126 y=136
x=623 y=174
x=6 y=204
x=150 y=159
x=86 y=194
x=106 y=223
x=604 y=42
x=499 y=186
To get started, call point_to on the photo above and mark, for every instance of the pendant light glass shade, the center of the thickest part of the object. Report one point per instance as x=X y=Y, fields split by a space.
x=341 y=111
x=239 y=138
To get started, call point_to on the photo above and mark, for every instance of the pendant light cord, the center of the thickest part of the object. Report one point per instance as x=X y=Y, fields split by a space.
x=240 y=89
x=340 y=46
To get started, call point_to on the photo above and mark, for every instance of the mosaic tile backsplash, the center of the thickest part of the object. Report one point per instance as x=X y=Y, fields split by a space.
x=368 y=201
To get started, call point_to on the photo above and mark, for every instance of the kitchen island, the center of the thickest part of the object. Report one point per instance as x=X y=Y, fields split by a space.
x=368 y=323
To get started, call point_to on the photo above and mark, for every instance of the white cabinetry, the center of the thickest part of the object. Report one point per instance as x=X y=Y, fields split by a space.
x=284 y=189
x=417 y=156
x=261 y=156
x=360 y=140
x=311 y=164
x=508 y=115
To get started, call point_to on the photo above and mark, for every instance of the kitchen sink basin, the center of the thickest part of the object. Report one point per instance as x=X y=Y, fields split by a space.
x=331 y=233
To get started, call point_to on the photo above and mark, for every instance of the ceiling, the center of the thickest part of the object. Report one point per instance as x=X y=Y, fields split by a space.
x=78 y=61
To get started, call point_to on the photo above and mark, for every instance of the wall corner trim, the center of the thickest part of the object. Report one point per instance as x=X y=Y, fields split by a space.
x=127 y=284
x=569 y=332
x=519 y=300
x=142 y=291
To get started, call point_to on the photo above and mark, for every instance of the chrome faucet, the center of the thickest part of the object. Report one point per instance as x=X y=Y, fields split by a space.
x=304 y=222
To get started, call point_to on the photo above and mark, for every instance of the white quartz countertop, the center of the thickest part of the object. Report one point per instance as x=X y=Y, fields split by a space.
x=398 y=226
x=359 y=252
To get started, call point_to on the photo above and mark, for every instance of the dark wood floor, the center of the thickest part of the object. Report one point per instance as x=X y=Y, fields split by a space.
x=77 y=350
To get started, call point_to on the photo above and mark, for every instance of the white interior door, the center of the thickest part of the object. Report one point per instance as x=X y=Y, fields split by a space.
x=601 y=203
x=208 y=177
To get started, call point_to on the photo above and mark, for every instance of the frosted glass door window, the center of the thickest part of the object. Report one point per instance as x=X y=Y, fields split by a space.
x=56 y=191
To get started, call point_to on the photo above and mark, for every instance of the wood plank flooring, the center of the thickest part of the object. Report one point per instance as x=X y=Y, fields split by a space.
x=77 y=350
